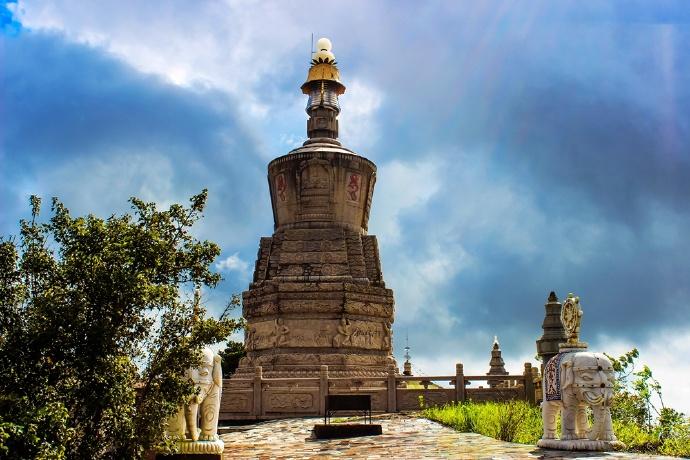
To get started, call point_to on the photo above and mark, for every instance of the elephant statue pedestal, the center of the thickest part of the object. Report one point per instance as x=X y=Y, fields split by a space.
x=195 y=425
x=575 y=379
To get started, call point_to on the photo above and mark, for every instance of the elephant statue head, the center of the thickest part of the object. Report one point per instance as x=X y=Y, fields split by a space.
x=589 y=377
x=197 y=420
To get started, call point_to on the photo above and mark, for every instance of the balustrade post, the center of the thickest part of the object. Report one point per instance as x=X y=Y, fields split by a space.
x=392 y=391
x=258 y=377
x=323 y=389
x=529 y=385
x=459 y=383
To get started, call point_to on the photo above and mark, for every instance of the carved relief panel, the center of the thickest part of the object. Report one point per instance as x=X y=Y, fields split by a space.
x=289 y=402
x=280 y=187
x=342 y=333
x=314 y=179
x=353 y=187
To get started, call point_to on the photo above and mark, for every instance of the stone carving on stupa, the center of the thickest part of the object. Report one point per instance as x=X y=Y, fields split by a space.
x=575 y=379
x=317 y=296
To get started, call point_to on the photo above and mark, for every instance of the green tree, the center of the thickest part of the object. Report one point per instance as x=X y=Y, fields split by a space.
x=96 y=331
x=231 y=357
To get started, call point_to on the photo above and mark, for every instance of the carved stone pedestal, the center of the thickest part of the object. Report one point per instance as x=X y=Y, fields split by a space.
x=190 y=457
x=580 y=444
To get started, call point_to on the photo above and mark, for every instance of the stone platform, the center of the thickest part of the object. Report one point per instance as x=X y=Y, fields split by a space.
x=403 y=438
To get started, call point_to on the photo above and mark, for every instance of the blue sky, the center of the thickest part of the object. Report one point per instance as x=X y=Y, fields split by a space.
x=522 y=147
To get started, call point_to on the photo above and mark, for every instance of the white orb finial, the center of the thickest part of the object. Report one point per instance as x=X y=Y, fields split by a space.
x=323 y=50
x=323 y=44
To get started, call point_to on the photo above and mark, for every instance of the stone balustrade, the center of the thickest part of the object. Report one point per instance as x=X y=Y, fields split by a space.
x=259 y=397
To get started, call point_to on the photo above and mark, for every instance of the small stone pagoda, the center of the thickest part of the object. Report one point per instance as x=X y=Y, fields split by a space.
x=496 y=365
x=318 y=296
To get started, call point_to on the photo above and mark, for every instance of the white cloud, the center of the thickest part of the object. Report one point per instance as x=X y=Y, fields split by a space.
x=222 y=43
x=401 y=187
x=357 y=121
x=666 y=354
x=443 y=262
x=234 y=263
x=291 y=141
x=417 y=277
x=101 y=185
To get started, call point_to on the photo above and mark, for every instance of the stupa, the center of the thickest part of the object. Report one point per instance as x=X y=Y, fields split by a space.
x=318 y=295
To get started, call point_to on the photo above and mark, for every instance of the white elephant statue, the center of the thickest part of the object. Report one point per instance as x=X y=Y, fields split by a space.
x=574 y=380
x=208 y=379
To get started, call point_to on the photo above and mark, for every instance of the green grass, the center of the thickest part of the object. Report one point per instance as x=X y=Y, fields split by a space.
x=517 y=421
x=640 y=439
x=514 y=421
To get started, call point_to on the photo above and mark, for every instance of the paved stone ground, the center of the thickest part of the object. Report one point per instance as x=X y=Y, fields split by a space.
x=403 y=438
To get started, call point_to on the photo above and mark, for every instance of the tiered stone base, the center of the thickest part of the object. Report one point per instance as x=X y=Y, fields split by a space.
x=318 y=298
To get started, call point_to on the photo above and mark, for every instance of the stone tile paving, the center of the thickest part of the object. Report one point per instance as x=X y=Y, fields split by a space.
x=403 y=438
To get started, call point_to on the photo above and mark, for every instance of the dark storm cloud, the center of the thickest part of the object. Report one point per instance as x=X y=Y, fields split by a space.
x=85 y=127
x=577 y=139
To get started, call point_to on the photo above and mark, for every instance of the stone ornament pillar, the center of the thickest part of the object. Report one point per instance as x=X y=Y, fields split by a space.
x=323 y=389
x=529 y=384
x=392 y=390
x=459 y=383
x=572 y=380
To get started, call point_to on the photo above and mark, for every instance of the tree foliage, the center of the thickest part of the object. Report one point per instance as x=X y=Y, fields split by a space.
x=231 y=357
x=96 y=330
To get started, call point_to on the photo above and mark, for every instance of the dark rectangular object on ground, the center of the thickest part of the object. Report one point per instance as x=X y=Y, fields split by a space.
x=346 y=430
x=351 y=403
